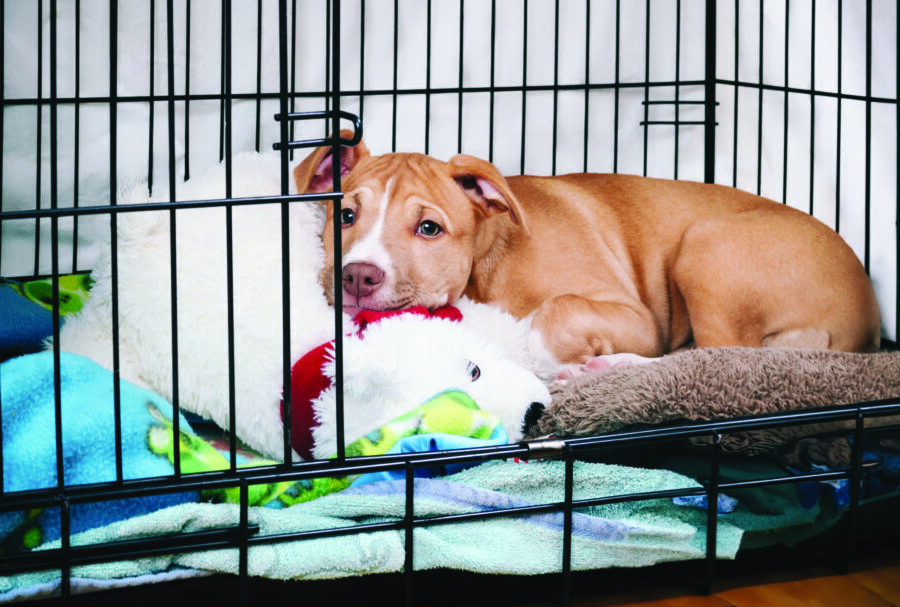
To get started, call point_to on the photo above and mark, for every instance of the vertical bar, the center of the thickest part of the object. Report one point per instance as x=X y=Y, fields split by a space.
x=258 y=70
x=54 y=247
x=187 y=91
x=362 y=64
x=327 y=60
x=840 y=104
x=394 y=92
x=868 y=177
x=856 y=456
x=784 y=161
x=65 y=569
x=617 y=89
x=229 y=243
x=3 y=110
x=567 y=525
x=173 y=257
x=493 y=80
x=294 y=64
x=812 y=110
x=896 y=336
x=336 y=180
x=65 y=538
x=427 y=80
x=524 y=81
x=2 y=113
x=113 y=223
x=39 y=113
x=459 y=118
x=76 y=130
x=151 y=102
x=555 y=89
x=646 y=85
x=678 y=82
x=285 y=232
x=587 y=81
x=759 y=128
x=222 y=84
x=244 y=547
x=712 y=512
x=737 y=90
x=408 y=517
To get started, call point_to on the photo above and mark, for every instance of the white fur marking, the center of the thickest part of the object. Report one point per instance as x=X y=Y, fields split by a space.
x=370 y=248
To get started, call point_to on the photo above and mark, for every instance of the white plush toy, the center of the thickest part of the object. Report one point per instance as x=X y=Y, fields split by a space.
x=402 y=361
x=398 y=364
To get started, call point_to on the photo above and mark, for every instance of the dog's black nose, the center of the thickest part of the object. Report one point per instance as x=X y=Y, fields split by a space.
x=532 y=415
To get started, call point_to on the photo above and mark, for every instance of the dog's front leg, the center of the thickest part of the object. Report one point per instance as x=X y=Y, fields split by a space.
x=575 y=329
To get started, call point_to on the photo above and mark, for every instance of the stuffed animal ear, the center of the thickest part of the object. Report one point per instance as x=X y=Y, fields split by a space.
x=486 y=187
x=314 y=174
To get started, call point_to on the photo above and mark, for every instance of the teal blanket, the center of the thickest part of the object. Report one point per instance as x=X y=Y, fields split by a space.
x=633 y=534
x=627 y=534
x=28 y=405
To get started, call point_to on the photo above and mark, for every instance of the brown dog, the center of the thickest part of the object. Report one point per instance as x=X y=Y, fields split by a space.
x=604 y=263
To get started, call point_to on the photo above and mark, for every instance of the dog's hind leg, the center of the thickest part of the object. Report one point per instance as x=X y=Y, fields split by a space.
x=575 y=329
x=758 y=280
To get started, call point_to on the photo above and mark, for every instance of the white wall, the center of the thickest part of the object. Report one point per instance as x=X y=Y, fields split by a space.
x=399 y=122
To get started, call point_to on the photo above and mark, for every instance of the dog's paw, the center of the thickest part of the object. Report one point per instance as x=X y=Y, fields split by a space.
x=601 y=363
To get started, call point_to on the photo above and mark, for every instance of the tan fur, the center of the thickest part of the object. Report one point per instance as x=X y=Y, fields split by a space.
x=606 y=263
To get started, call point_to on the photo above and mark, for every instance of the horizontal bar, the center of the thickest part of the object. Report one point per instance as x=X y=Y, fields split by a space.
x=164 y=206
x=530 y=88
x=351 y=93
x=811 y=92
x=771 y=420
x=786 y=480
x=194 y=541
x=673 y=122
x=256 y=475
x=676 y=102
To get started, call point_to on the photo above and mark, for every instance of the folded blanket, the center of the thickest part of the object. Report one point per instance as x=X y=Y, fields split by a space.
x=721 y=383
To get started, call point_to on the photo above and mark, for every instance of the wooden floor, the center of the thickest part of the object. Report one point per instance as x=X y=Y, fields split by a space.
x=873 y=584
x=878 y=587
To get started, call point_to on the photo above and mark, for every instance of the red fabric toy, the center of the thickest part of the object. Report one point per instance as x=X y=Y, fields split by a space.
x=308 y=379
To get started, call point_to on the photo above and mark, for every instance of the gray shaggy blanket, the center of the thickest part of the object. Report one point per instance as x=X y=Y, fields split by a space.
x=720 y=383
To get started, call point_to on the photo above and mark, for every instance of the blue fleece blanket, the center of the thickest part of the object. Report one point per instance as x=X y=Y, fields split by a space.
x=28 y=400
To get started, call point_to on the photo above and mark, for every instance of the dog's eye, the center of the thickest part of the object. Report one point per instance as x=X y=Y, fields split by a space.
x=348 y=217
x=429 y=229
x=473 y=371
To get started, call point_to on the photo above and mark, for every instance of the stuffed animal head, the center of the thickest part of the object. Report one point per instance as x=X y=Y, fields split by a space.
x=400 y=362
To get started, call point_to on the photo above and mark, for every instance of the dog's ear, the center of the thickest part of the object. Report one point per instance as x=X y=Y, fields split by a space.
x=313 y=175
x=486 y=187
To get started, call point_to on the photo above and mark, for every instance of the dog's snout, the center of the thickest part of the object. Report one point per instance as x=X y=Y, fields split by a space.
x=362 y=279
x=532 y=415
